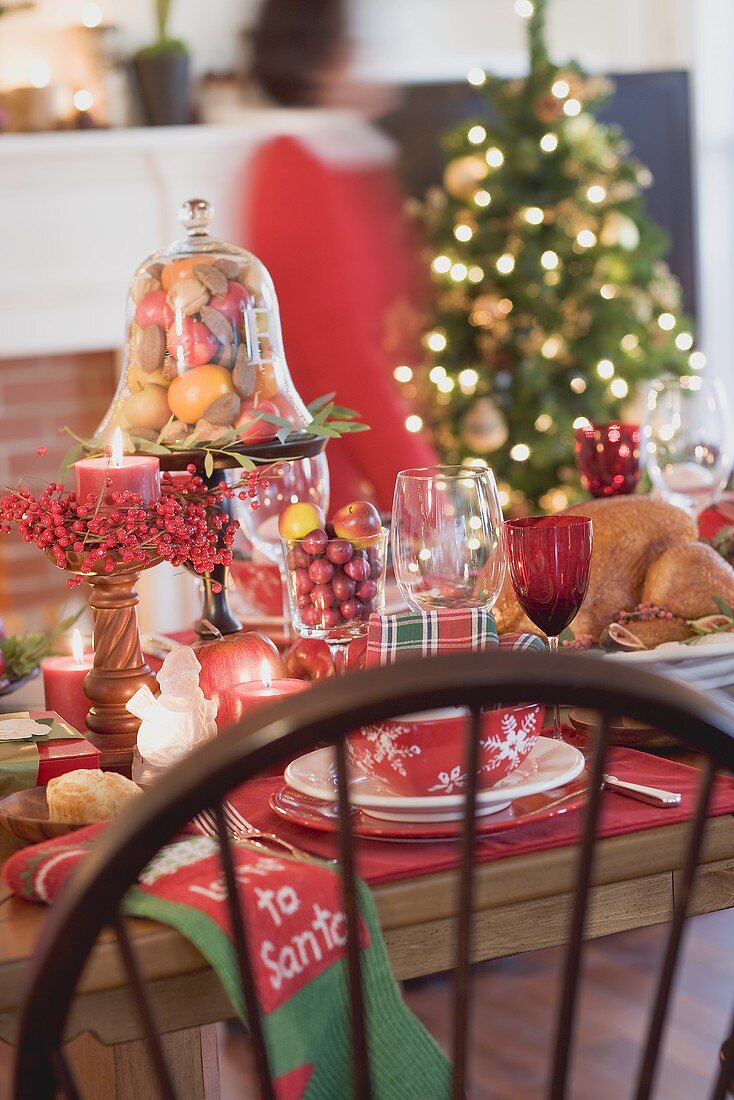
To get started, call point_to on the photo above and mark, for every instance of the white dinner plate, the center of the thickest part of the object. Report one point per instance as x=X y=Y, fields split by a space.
x=549 y=764
x=706 y=665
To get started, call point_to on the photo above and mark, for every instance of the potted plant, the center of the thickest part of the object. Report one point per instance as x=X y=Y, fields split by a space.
x=162 y=70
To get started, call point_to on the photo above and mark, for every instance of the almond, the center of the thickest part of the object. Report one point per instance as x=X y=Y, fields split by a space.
x=151 y=348
x=226 y=356
x=155 y=270
x=170 y=369
x=224 y=410
x=217 y=323
x=144 y=284
x=204 y=431
x=188 y=295
x=244 y=375
x=174 y=431
x=214 y=280
x=229 y=268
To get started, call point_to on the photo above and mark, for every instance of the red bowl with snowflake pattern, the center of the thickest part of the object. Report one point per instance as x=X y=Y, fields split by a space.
x=425 y=754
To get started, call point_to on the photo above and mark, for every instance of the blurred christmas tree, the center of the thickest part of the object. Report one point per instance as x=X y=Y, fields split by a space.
x=552 y=299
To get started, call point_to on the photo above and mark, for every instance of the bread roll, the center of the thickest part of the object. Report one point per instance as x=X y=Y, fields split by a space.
x=630 y=532
x=686 y=578
x=88 y=795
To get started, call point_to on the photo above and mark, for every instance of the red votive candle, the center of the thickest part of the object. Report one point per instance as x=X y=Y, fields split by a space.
x=63 y=683
x=105 y=476
x=239 y=700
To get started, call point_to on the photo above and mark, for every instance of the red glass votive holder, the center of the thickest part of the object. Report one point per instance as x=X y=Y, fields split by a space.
x=608 y=457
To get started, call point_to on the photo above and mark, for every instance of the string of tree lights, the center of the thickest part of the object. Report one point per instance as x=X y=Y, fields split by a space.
x=552 y=300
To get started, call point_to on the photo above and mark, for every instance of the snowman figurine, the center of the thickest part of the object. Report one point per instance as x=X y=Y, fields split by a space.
x=178 y=719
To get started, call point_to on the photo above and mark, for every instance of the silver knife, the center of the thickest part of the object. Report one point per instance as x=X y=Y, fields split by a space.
x=652 y=795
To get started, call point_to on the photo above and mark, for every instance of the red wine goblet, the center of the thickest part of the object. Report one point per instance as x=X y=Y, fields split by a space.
x=549 y=558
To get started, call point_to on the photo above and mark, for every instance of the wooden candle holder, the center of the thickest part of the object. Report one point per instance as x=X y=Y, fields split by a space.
x=119 y=668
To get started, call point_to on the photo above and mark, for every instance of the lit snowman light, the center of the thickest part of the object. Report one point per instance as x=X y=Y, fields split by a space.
x=178 y=719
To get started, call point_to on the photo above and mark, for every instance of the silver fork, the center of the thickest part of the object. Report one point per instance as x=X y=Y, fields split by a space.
x=245 y=832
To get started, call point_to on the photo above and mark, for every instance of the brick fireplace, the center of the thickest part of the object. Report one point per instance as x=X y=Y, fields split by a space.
x=38 y=396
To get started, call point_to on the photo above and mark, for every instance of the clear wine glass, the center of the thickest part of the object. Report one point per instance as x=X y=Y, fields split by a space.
x=549 y=559
x=688 y=443
x=447 y=537
x=303 y=480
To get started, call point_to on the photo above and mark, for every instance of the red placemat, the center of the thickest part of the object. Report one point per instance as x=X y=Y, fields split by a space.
x=384 y=861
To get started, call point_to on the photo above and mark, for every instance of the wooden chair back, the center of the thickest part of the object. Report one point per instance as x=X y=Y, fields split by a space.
x=93 y=898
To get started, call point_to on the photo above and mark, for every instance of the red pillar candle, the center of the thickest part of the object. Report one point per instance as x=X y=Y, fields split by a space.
x=105 y=476
x=63 y=683
x=239 y=700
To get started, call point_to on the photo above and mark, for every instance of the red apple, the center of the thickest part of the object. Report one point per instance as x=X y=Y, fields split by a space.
x=232 y=304
x=309 y=659
x=153 y=309
x=359 y=522
x=252 y=428
x=236 y=659
x=196 y=341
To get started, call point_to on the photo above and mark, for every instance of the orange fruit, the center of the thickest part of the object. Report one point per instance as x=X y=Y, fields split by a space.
x=182 y=269
x=298 y=520
x=267 y=384
x=191 y=393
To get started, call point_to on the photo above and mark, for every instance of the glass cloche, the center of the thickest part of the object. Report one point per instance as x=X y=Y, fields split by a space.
x=204 y=349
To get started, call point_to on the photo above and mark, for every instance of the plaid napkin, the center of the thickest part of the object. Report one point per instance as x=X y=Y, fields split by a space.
x=390 y=638
x=297 y=928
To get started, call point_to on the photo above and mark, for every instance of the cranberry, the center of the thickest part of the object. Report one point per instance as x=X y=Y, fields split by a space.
x=304 y=601
x=358 y=568
x=322 y=596
x=344 y=587
x=297 y=558
x=350 y=609
x=311 y=616
x=339 y=551
x=330 y=618
x=375 y=568
x=367 y=609
x=315 y=542
x=321 y=571
x=303 y=582
x=367 y=590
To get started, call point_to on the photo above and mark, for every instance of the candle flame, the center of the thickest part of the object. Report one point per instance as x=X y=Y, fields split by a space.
x=265 y=673
x=117 y=449
x=77 y=646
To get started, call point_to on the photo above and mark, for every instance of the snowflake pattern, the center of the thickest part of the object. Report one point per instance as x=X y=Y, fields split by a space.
x=448 y=781
x=514 y=742
x=383 y=739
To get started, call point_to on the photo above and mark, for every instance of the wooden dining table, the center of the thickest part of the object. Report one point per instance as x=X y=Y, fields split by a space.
x=522 y=904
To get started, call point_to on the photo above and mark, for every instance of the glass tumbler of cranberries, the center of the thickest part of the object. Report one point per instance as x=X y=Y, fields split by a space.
x=334 y=585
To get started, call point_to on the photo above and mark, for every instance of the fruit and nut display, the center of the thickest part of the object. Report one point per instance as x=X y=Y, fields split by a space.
x=335 y=571
x=204 y=354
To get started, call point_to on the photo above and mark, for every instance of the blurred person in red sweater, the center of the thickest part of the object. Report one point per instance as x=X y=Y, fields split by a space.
x=325 y=215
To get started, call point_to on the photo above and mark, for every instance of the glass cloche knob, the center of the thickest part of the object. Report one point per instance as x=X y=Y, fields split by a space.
x=195 y=215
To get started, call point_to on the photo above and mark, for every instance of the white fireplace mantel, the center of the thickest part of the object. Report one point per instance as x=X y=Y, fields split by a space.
x=81 y=210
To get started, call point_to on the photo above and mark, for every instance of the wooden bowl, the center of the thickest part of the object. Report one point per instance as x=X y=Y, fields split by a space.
x=24 y=814
x=628 y=733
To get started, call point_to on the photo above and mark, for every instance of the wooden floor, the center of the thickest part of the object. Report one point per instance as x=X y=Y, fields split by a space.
x=513 y=1018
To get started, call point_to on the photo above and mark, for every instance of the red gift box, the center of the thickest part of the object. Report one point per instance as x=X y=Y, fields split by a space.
x=57 y=756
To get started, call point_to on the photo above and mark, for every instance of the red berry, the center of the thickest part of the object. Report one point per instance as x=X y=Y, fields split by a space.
x=302 y=582
x=339 y=551
x=366 y=590
x=358 y=568
x=349 y=609
x=41 y=451
x=297 y=559
x=322 y=596
x=344 y=587
x=315 y=542
x=330 y=618
x=321 y=571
